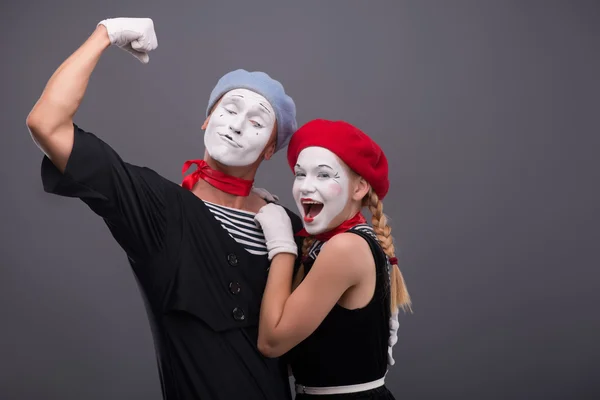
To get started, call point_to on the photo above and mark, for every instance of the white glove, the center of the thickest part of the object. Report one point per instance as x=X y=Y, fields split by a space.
x=277 y=228
x=135 y=35
x=394 y=325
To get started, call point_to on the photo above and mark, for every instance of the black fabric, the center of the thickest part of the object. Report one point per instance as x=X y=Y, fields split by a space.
x=350 y=346
x=202 y=290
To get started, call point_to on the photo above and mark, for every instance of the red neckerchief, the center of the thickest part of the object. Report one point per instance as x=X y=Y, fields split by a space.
x=343 y=227
x=222 y=181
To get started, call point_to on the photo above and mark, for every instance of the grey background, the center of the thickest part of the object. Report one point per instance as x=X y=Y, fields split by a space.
x=488 y=111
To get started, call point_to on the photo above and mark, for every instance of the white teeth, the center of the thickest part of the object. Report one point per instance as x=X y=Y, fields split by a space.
x=311 y=202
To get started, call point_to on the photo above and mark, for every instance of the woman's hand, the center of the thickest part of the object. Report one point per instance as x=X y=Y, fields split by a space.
x=277 y=228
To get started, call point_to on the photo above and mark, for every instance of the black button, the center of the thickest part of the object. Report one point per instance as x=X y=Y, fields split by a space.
x=235 y=287
x=238 y=314
x=232 y=259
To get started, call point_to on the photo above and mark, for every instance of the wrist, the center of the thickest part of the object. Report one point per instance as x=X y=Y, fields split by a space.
x=284 y=258
x=279 y=246
x=100 y=37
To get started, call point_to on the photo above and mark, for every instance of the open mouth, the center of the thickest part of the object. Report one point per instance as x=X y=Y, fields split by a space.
x=228 y=139
x=312 y=208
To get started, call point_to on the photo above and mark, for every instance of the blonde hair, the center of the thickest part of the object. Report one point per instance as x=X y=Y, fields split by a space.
x=399 y=297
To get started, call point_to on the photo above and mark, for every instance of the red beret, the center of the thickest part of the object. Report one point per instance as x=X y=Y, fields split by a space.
x=350 y=144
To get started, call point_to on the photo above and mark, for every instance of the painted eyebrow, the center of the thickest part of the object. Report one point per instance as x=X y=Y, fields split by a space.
x=261 y=111
x=233 y=98
x=265 y=107
x=326 y=166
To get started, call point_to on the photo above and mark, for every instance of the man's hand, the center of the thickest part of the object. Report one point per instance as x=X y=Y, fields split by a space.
x=135 y=35
x=277 y=228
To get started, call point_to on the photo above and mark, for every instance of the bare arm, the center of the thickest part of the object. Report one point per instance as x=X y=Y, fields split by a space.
x=132 y=200
x=288 y=318
x=277 y=291
x=51 y=119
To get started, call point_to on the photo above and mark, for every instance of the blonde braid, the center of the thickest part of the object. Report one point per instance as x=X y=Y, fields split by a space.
x=308 y=241
x=399 y=292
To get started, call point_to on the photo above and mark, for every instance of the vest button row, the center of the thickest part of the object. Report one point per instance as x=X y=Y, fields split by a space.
x=235 y=288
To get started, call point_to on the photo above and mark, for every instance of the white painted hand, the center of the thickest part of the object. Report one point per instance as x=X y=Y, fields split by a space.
x=134 y=35
x=277 y=228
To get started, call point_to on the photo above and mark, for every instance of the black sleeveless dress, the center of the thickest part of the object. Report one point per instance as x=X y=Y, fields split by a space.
x=350 y=346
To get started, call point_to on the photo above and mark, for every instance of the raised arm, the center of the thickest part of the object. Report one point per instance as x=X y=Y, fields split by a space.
x=132 y=200
x=51 y=119
x=50 y=122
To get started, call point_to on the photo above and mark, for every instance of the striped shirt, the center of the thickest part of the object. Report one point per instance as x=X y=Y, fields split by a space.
x=241 y=227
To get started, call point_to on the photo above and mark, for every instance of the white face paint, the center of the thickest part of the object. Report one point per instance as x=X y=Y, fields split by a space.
x=239 y=128
x=320 y=188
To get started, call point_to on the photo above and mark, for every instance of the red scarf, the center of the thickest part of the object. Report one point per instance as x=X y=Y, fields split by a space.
x=222 y=181
x=343 y=227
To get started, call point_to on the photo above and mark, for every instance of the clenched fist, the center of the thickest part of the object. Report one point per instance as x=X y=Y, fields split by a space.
x=135 y=35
